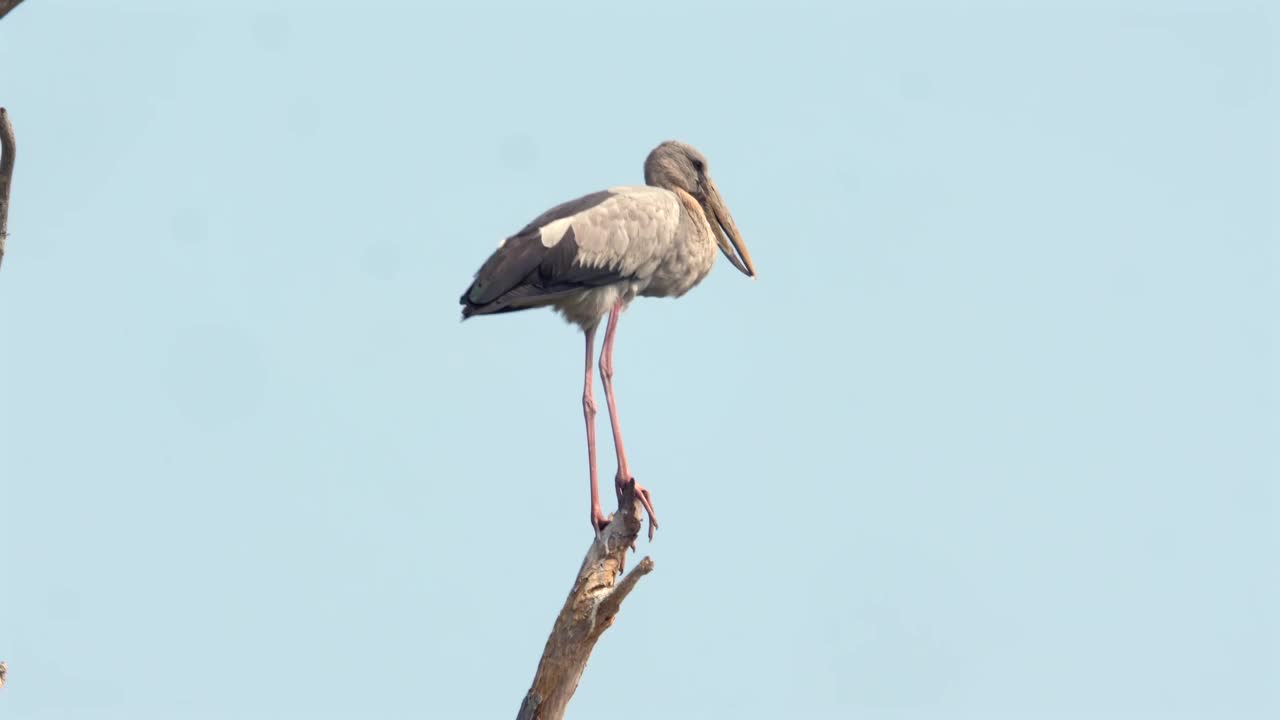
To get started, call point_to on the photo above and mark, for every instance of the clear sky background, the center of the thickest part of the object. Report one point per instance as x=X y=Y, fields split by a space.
x=993 y=435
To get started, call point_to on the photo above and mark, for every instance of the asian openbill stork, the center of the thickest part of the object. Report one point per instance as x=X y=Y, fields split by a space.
x=592 y=256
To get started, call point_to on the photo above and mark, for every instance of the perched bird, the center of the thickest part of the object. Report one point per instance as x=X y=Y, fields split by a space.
x=592 y=256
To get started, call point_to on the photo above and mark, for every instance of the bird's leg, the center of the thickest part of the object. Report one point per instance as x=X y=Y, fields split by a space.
x=606 y=377
x=598 y=518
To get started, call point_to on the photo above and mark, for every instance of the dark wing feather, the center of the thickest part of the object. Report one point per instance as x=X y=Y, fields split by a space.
x=551 y=274
x=559 y=270
x=524 y=273
x=506 y=268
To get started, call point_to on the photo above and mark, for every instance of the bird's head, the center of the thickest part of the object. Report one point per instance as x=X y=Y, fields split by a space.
x=675 y=165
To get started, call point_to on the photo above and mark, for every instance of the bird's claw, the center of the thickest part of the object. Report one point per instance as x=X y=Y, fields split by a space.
x=642 y=494
x=599 y=522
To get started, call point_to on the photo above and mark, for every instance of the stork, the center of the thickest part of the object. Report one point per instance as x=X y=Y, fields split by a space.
x=590 y=257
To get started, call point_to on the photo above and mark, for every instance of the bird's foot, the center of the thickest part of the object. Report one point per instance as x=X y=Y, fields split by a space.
x=642 y=494
x=600 y=521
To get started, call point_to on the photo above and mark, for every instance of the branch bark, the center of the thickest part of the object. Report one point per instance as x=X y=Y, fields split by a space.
x=592 y=604
x=7 y=145
x=7 y=5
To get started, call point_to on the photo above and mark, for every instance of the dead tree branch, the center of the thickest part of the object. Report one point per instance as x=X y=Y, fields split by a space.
x=593 y=602
x=7 y=5
x=7 y=145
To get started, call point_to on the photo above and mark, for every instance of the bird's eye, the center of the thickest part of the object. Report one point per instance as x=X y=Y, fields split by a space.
x=699 y=165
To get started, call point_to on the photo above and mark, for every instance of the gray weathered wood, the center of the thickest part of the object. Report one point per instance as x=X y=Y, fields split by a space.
x=592 y=604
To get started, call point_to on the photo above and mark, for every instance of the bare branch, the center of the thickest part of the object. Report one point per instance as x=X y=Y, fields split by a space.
x=610 y=606
x=7 y=150
x=589 y=610
x=7 y=5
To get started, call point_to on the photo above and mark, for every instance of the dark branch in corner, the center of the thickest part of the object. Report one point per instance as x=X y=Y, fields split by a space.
x=6 y=179
x=590 y=609
x=7 y=149
x=7 y=5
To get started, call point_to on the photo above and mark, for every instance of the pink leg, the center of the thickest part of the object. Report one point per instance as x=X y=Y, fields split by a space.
x=606 y=377
x=598 y=519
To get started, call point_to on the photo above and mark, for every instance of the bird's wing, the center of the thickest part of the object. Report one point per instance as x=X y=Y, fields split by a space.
x=597 y=239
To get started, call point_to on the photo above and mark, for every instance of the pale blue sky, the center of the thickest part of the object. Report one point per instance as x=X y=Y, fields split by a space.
x=993 y=435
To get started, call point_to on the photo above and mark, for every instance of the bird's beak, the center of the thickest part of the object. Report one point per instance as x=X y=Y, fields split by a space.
x=722 y=224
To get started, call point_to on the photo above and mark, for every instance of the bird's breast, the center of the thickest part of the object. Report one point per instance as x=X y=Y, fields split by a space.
x=688 y=257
